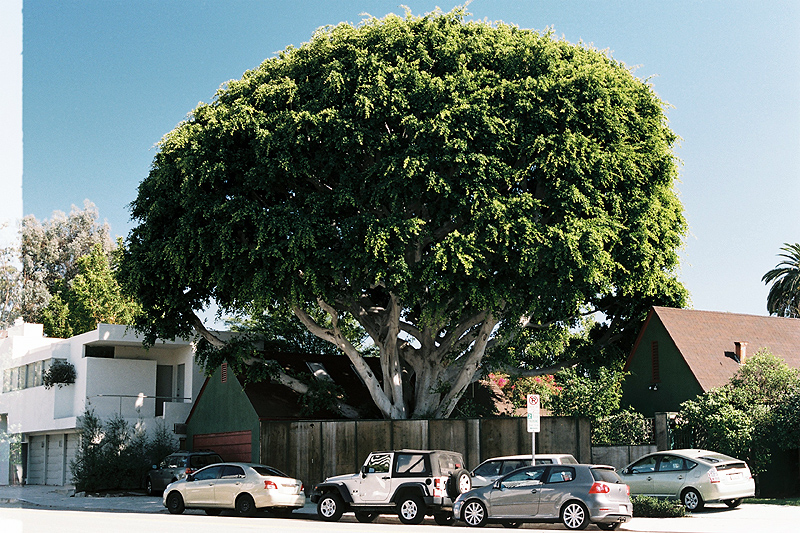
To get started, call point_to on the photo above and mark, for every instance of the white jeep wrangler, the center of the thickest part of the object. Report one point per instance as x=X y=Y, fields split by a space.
x=411 y=483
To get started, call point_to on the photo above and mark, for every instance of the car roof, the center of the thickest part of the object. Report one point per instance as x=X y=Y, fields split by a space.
x=528 y=457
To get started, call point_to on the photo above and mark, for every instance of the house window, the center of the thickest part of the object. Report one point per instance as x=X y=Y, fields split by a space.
x=92 y=350
x=654 y=356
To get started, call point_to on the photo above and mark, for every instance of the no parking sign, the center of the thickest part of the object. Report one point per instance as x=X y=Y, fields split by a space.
x=533 y=413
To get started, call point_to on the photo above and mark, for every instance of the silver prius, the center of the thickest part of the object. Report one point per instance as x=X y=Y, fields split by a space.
x=695 y=477
x=575 y=495
x=244 y=487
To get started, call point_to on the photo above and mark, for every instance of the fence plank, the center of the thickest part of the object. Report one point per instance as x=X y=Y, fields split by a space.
x=410 y=434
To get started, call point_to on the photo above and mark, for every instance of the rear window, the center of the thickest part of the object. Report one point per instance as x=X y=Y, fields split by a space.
x=561 y=474
x=449 y=463
x=199 y=461
x=268 y=471
x=728 y=466
x=605 y=474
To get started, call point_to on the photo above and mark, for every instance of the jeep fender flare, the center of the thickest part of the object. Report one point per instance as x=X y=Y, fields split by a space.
x=413 y=487
x=336 y=487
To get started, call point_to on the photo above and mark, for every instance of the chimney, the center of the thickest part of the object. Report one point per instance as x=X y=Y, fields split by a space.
x=741 y=352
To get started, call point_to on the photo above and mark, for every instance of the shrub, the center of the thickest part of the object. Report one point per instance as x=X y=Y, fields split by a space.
x=114 y=455
x=626 y=427
x=60 y=373
x=649 y=507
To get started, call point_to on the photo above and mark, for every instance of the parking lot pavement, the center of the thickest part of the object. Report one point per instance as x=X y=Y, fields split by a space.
x=748 y=518
x=64 y=498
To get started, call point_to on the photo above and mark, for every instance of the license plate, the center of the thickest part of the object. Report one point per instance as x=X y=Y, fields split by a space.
x=735 y=475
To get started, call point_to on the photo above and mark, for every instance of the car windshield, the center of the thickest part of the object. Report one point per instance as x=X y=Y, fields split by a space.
x=268 y=471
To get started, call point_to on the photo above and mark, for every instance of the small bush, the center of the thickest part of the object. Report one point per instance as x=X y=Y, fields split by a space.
x=649 y=507
x=60 y=373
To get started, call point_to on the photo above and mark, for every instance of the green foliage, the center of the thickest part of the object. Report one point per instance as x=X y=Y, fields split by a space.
x=592 y=393
x=626 y=427
x=784 y=294
x=114 y=455
x=61 y=372
x=322 y=397
x=650 y=507
x=92 y=296
x=425 y=175
x=748 y=417
x=10 y=285
x=50 y=251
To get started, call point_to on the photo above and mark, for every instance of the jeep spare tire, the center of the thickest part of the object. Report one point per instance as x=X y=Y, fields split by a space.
x=459 y=482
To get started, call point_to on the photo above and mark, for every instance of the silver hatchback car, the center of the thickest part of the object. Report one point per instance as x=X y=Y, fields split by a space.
x=575 y=495
x=696 y=477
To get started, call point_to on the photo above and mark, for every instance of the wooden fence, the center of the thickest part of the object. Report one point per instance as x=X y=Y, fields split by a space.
x=315 y=450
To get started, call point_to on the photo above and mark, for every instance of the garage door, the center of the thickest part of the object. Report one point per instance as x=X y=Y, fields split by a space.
x=232 y=446
x=54 y=465
x=36 y=455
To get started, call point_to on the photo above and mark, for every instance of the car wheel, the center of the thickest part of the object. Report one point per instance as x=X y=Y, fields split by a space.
x=444 y=518
x=733 y=504
x=512 y=525
x=474 y=514
x=148 y=487
x=330 y=507
x=245 y=505
x=459 y=483
x=213 y=512
x=365 y=517
x=692 y=500
x=574 y=515
x=175 y=503
x=608 y=527
x=411 y=509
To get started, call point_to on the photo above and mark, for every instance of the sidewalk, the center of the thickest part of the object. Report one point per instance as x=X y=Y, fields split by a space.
x=63 y=498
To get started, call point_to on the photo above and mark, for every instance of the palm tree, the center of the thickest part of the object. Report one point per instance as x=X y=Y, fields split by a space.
x=784 y=295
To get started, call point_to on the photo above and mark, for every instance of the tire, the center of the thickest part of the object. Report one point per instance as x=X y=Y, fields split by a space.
x=213 y=512
x=458 y=483
x=148 y=487
x=330 y=507
x=608 y=527
x=574 y=515
x=443 y=518
x=365 y=517
x=411 y=509
x=175 y=503
x=512 y=525
x=245 y=506
x=733 y=504
x=474 y=513
x=692 y=500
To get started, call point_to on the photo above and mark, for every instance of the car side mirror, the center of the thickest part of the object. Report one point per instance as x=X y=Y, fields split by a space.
x=364 y=470
x=626 y=471
x=497 y=484
x=189 y=477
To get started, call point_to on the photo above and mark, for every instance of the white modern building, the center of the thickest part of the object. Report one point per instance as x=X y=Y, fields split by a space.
x=114 y=375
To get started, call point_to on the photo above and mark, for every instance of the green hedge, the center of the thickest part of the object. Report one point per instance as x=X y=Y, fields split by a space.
x=649 y=507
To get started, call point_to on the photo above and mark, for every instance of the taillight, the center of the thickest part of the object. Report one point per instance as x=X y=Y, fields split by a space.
x=439 y=487
x=713 y=475
x=302 y=488
x=628 y=489
x=270 y=485
x=598 y=487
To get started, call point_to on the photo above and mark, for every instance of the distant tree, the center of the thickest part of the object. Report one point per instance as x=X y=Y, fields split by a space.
x=49 y=253
x=428 y=177
x=784 y=294
x=10 y=286
x=92 y=296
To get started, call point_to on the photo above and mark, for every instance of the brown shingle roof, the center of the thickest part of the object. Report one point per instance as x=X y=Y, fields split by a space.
x=706 y=340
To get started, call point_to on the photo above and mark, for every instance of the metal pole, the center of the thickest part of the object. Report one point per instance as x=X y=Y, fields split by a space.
x=533 y=448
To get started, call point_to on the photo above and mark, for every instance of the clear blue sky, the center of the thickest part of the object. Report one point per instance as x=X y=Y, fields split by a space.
x=105 y=80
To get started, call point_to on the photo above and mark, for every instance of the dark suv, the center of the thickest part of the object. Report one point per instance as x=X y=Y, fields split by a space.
x=411 y=483
x=175 y=466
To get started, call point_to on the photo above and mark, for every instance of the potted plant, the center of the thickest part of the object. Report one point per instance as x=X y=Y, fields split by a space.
x=61 y=372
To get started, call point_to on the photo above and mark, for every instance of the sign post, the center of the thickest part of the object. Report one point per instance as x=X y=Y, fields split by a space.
x=533 y=423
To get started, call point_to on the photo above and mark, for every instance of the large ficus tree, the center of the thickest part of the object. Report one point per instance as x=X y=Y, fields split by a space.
x=429 y=177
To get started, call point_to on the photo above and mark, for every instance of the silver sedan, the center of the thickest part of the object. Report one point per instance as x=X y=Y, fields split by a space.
x=575 y=495
x=244 y=487
x=696 y=477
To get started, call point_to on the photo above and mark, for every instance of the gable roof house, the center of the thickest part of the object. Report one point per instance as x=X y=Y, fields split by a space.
x=682 y=353
x=114 y=375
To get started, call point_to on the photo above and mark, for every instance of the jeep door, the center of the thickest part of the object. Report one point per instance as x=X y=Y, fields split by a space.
x=376 y=479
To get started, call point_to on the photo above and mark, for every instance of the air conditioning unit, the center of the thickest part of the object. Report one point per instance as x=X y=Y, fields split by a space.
x=179 y=429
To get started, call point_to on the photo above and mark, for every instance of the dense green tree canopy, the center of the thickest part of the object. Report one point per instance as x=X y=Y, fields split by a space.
x=429 y=177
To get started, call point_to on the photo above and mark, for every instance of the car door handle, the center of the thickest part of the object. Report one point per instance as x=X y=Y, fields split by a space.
x=680 y=477
x=386 y=477
x=533 y=491
x=649 y=478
